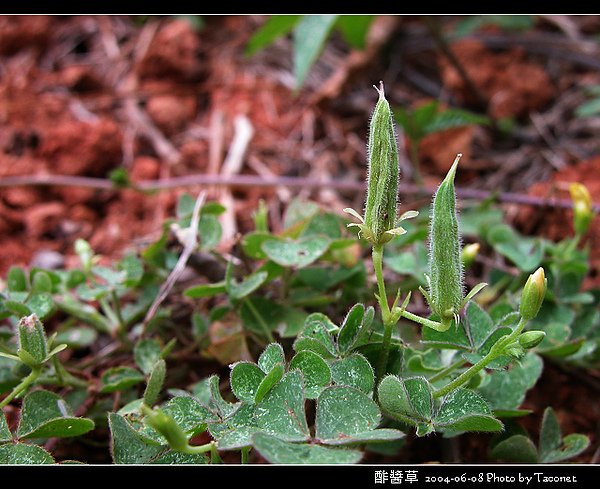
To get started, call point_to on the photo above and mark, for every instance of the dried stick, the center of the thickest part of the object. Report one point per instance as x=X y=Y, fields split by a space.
x=191 y=241
x=244 y=181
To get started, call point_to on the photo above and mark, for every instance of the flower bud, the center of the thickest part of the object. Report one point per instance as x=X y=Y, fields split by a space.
x=446 y=270
x=33 y=346
x=469 y=253
x=582 y=207
x=167 y=427
x=531 y=339
x=533 y=294
x=382 y=185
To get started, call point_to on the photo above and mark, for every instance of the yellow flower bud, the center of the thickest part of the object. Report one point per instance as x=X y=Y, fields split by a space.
x=582 y=207
x=533 y=294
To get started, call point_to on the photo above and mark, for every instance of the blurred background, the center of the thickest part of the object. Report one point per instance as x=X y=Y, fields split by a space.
x=257 y=107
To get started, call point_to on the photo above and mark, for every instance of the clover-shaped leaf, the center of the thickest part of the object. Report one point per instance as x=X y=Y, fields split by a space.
x=346 y=415
x=120 y=378
x=236 y=431
x=190 y=414
x=5 y=434
x=296 y=253
x=45 y=415
x=553 y=447
x=271 y=356
x=146 y=353
x=505 y=390
x=281 y=412
x=350 y=329
x=245 y=380
x=24 y=454
x=354 y=371
x=465 y=410
x=409 y=400
x=315 y=371
x=278 y=451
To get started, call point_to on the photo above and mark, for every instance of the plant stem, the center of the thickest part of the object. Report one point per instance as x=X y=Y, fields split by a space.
x=388 y=322
x=196 y=449
x=22 y=387
x=450 y=368
x=418 y=319
x=496 y=350
x=260 y=320
x=244 y=455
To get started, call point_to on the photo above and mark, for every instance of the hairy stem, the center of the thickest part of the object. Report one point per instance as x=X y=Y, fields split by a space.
x=22 y=387
x=495 y=352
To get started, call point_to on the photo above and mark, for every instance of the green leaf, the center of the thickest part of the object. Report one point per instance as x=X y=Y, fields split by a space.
x=274 y=376
x=354 y=371
x=354 y=28
x=572 y=446
x=453 y=339
x=223 y=408
x=146 y=353
x=259 y=313
x=343 y=412
x=309 y=38
x=41 y=282
x=323 y=224
x=41 y=304
x=120 y=378
x=278 y=451
x=464 y=410
x=350 y=328
x=317 y=329
x=236 y=431
x=315 y=371
x=133 y=268
x=245 y=380
x=205 y=290
x=506 y=389
x=281 y=412
x=296 y=253
x=84 y=312
x=155 y=382
x=45 y=415
x=479 y=325
x=298 y=214
x=407 y=399
x=16 y=280
x=190 y=414
x=24 y=454
x=517 y=448
x=271 y=356
x=127 y=445
x=252 y=244
x=5 y=434
x=78 y=337
x=550 y=435
x=210 y=231
x=172 y=457
x=525 y=253
x=275 y=27
x=240 y=290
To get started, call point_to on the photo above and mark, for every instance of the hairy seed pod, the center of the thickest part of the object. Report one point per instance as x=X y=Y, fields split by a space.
x=382 y=189
x=33 y=347
x=446 y=268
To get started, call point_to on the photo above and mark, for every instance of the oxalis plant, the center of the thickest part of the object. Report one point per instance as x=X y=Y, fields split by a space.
x=326 y=391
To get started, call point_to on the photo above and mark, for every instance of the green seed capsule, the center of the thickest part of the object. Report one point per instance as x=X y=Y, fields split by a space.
x=382 y=191
x=446 y=268
x=33 y=346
